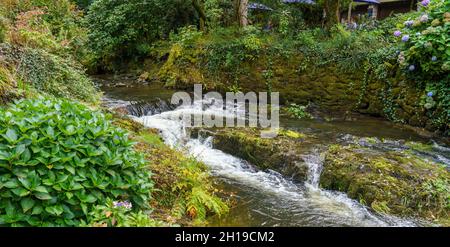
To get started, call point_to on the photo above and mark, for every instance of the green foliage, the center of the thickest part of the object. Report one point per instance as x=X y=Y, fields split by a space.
x=118 y=28
x=198 y=200
x=42 y=42
x=83 y=4
x=229 y=54
x=58 y=160
x=186 y=36
x=52 y=25
x=283 y=26
x=347 y=49
x=8 y=89
x=425 y=40
x=425 y=57
x=112 y=214
x=214 y=13
x=298 y=111
x=50 y=73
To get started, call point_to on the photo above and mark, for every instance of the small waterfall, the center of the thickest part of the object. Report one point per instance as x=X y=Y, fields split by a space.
x=315 y=166
x=277 y=199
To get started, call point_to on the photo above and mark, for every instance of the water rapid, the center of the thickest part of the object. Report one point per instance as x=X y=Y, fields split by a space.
x=266 y=198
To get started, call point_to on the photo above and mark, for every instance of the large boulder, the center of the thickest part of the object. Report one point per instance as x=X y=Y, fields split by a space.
x=282 y=153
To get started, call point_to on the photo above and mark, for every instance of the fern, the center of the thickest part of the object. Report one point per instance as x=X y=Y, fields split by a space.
x=200 y=202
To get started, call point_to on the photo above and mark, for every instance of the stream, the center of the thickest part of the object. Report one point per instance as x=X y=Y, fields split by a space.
x=266 y=198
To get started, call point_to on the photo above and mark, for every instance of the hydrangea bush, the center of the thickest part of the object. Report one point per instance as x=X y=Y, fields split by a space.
x=425 y=39
x=425 y=56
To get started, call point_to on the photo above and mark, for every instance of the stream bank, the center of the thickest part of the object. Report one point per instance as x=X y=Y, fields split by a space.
x=270 y=196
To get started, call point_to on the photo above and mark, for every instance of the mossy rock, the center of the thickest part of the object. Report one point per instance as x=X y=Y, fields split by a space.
x=281 y=154
x=398 y=183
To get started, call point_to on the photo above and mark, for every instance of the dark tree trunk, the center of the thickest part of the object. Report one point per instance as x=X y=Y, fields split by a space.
x=198 y=6
x=332 y=12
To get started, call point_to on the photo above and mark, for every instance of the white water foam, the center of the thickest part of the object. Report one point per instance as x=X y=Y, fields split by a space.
x=307 y=199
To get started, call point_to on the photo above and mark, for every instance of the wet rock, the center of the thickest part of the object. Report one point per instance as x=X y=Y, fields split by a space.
x=282 y=154
x=144 y=77
x=392 y=182
x=120 y=84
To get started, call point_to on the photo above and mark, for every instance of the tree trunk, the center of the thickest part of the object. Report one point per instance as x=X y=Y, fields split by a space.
x=201 y=13
x=349 y=15
x=242 y=12
x=338 y=11
x=332 y=12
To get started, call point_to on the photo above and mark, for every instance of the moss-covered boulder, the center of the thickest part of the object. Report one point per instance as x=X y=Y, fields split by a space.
x=394 y=182
x=281 y=154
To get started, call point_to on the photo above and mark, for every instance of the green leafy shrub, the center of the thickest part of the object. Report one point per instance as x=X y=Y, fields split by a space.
x=52 y=25
x=284 y=22
x=298 y=111
x=186 y=36
x=229 y=54
x=119 y=214
x=58 y=160
x=214 y=13
x=118 y=27
x=425 y=57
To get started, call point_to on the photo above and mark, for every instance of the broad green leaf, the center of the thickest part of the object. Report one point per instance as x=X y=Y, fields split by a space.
x=50 y=132
x=70 y=169
x=26 y=156
x=27 y=204
x=54 y=210
x=21 y=191
x=5 y=155
x=11 y=184
x=43 y=196
x=37 y=210
x=25 y=182
x=41 y=189
x=70 y=130
x=84 y=208
x=89 y=199
x=19 y=150
x=11 y=135
x=69 y=195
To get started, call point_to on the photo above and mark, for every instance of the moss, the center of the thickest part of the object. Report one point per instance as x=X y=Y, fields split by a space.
x=292 y=134
x=395 y=182
x=419 y=146
x=282 y=154
x=297 y=77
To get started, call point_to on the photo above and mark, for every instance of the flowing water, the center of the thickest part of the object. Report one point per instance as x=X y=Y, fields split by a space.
x=266 y=198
